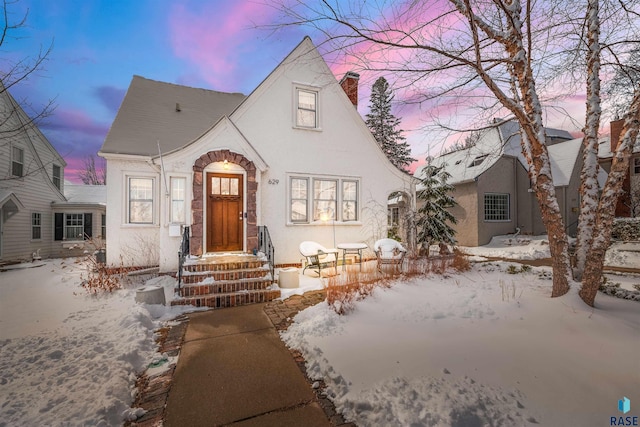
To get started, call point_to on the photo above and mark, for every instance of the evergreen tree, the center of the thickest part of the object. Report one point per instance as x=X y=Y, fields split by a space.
x=384 y=125
x=434 y=221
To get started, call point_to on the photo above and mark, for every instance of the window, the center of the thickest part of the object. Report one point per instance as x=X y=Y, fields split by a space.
x=496 y=207
x=307 y=109
x=57 y=176
x=477 y=161
x=73 y=227
x=324 y=199
x=636 y=166
x=17 y=161
x=141 y=200
x=349 y=200
x=221 y=186
x=36 y=226
x=299 y=200
x=178 y=200
x=393 y=216
x=103 y=227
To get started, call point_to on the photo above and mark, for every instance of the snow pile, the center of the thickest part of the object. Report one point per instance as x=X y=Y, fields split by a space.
x=512 y=247
x=623 y=255
x=69 y=357
x=480 y=348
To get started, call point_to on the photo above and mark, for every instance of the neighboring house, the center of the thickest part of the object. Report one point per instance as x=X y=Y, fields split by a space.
x=294 y=156
x=629 y=201
x=80 y=222
x=493 y=189
x=31 y=189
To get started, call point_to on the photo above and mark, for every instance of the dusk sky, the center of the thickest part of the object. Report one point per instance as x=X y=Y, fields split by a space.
x=98 y=46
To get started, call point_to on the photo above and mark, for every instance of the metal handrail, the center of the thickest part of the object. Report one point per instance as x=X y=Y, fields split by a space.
x=183 y=252
x=266 y=246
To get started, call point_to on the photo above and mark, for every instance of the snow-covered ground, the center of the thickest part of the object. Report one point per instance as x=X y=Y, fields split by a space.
x=69 y=358
x=478 y=348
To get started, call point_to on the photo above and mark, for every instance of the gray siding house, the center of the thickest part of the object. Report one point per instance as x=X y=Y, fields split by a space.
x=493 y=189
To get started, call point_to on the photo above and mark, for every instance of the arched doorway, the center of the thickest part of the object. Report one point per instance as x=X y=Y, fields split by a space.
x=224 y=206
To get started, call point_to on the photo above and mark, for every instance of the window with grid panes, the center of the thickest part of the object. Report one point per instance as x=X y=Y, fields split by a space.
x=496 y=207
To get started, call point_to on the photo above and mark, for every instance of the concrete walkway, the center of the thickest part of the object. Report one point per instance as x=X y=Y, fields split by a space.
x=234 y=370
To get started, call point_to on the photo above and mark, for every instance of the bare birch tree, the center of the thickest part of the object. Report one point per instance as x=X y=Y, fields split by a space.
x=13 y=71
x=512 y=59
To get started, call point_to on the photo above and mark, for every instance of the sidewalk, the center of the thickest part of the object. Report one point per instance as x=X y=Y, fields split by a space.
x=234 y=370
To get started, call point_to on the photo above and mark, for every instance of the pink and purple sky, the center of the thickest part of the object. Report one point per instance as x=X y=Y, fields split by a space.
x=99 y=45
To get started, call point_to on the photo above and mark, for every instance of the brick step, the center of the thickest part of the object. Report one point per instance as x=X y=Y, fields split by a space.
x=189 y=277
x=203 y=266
x=229 y=299
x=224 y=286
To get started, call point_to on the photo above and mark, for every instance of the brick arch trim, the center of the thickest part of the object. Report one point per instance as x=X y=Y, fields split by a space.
x=197 y=204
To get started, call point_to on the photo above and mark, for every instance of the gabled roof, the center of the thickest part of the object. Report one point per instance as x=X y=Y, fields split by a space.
x=504 y=140
x=167 y=113
x=86 y=194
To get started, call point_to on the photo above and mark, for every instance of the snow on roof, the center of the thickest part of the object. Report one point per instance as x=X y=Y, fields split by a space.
x=604 y=147
x=87 y=194
x=504 y=139
x=563 y=157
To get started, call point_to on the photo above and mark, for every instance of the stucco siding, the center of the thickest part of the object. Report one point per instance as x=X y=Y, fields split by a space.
x=466 y=214
x=500 y=179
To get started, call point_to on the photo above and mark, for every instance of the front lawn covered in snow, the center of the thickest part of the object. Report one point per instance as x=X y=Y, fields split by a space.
x=483 y=347
x=67 y=357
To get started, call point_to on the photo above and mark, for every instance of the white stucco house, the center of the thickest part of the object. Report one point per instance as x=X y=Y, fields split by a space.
x=293 y=156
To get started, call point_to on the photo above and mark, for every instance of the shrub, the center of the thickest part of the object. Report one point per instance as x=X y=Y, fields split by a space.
x=460 y=261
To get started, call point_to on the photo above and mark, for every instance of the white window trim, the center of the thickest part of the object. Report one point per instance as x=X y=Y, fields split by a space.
x=484 y=208
x=155 y=204
x=184 y=202
x=53 y=176
x=33 y=226
x=64 y=227
x=310 y=199
x=14 y=161
x=635 y=165
x=296 y=88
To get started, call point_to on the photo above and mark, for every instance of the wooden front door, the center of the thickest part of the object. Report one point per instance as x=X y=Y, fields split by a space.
x=224 y=212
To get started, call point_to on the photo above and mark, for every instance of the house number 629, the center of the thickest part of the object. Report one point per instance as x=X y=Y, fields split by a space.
x=274 y=181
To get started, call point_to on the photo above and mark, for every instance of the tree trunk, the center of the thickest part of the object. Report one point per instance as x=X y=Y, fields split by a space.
x=592 y=277
x=589 y=174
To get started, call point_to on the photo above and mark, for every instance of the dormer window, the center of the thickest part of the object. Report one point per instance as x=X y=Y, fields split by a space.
x=306 y=108
x=478 y=160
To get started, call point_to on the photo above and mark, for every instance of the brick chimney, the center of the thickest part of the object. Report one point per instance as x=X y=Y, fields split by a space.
x=349 y=84
x=616 y=129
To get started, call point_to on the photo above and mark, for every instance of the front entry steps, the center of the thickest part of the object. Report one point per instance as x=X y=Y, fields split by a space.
x=226 y=280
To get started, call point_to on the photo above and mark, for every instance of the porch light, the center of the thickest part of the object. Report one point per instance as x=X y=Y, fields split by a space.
x=225 y=164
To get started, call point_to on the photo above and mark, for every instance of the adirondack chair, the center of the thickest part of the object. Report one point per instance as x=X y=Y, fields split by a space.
x=389 y=252
x=319 y=257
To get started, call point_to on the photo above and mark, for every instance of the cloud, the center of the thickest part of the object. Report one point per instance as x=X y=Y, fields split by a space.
x=216 y=39
x=111 y=97
x=75 y=135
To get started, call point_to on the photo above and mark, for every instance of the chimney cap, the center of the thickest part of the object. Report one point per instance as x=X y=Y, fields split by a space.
x=350 y=75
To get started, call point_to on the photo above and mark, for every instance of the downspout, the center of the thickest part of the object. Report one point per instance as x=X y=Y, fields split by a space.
x=515 y=192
